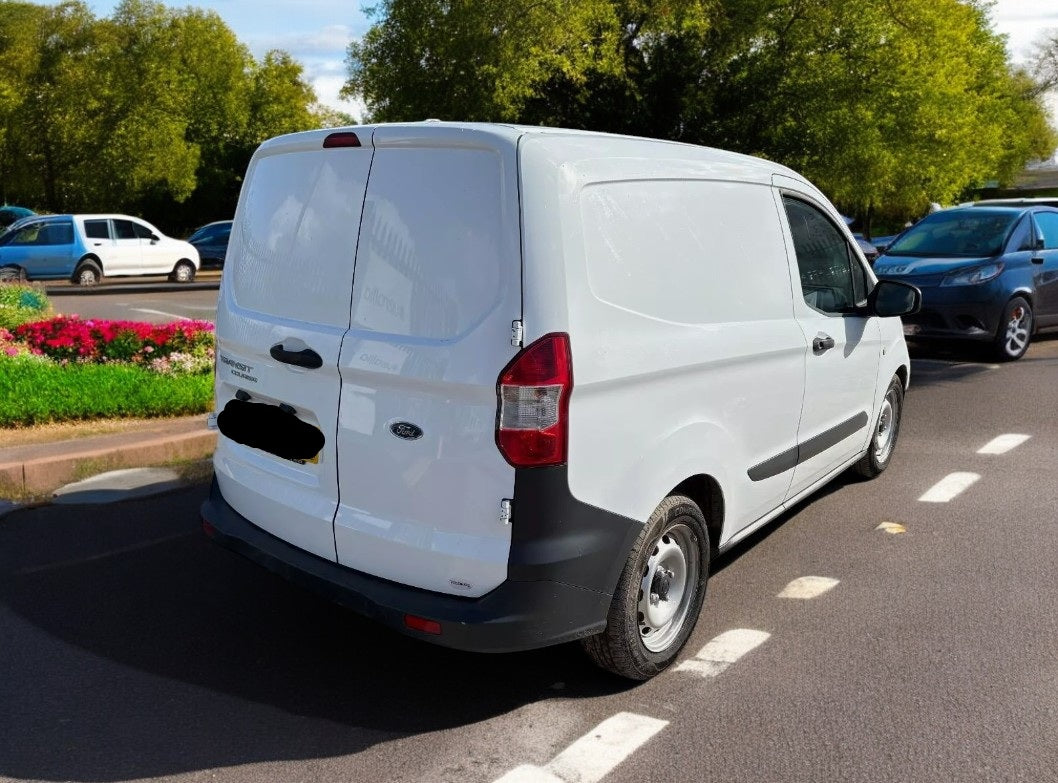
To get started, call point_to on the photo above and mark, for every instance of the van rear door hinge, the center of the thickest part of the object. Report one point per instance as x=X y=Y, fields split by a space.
x=517 y=332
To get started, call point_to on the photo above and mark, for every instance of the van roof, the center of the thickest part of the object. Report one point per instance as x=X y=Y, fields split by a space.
x=735 y=165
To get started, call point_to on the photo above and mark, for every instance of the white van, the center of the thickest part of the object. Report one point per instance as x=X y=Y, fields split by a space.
x=503 y=387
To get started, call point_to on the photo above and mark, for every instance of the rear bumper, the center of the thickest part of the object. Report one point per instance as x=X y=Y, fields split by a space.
x=527 y=611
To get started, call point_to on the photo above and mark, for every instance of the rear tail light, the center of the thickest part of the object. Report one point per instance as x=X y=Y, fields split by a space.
x=532 y=425
x=422 y=624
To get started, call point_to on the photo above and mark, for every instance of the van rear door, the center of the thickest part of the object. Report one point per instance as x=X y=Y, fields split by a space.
x=437 y=287
x=284 y=309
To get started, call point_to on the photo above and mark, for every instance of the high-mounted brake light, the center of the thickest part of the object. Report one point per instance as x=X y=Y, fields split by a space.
x=532 y=424
x=342 y=139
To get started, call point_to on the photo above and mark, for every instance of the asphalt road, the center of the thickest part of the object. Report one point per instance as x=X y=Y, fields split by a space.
x=152 y=301
x=131 y=648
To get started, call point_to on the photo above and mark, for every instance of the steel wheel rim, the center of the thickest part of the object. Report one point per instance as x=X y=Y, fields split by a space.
x=885 y=434
x=183 y=273
x=1018 y=330
x=668 y=586
x=87 y=277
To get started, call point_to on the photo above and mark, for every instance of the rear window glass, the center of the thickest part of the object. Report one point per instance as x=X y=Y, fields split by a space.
x=1048 y=223
x=429 y=263
x=97 y=229
x=294 y=246
x=972 y=232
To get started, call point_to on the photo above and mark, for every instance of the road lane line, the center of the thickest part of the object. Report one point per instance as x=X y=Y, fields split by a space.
x=595 y=755
x=722 y=651
x=892 y=528
x=1003 y=444
x=806 y=587
x=160 y=312
x=949 y=487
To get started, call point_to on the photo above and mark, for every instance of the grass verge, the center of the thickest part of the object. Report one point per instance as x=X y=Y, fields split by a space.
x=36 y=392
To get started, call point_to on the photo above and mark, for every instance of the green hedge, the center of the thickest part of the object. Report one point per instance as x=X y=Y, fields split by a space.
x=33 y=391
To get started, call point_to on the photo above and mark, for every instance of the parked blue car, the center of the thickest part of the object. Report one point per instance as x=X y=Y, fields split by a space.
x=211 y=241
x=986 y=273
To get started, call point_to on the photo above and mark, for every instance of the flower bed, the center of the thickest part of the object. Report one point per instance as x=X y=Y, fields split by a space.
x=67 y=368
x=181 y=346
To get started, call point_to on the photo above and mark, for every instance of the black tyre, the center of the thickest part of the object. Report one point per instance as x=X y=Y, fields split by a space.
x=1015 y=330
x=12 y=274
x=88 y=273
x=659 y=594
x=183 y=272
x=886 y=430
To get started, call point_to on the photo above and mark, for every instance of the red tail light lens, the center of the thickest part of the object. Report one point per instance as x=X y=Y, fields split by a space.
x=532 y=425
x=422 y=624
x=341 y=139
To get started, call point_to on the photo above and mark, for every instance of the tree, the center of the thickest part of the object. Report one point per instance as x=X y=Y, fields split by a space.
x=885 y=105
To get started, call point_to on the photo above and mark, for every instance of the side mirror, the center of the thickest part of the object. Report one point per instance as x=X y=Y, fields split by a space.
x=891 y=298
x=154 y=238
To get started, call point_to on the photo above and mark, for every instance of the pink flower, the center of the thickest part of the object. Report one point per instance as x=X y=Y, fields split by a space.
x=11 y=351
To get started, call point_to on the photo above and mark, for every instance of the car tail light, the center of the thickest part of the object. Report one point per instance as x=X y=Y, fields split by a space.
x=532 y=424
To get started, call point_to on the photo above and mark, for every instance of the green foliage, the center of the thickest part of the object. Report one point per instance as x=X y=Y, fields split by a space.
x=887 y=106
x=36 y=391
x=20 y=304
x=153 y=110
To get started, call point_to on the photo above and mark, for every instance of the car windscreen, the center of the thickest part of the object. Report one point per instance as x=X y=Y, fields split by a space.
x=964 y=233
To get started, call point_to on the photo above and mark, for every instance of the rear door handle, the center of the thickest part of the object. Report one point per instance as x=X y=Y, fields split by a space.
x=822 y=342
x=306 y=358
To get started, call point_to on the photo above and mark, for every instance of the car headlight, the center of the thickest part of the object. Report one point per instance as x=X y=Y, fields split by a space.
x=978 y=274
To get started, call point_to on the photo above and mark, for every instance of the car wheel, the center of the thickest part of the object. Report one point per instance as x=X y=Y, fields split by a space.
x=12 y=274
x=883 y=441
x=87 y=273
x=183 y=272
x=1015 y=330
x=659 y=594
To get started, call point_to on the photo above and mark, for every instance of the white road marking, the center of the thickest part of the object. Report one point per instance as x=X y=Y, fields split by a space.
x=806 y=587
x=893 y=528
x=594 y=755
x=1003 y=444
x=949 y=487
x=159 y=312
x=722 y=651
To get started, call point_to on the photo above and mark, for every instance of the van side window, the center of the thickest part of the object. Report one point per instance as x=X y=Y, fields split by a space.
x=832 y=280
x=124 y=229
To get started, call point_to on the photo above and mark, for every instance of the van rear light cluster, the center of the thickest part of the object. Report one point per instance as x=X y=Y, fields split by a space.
x=341 y=139
x=532 y=425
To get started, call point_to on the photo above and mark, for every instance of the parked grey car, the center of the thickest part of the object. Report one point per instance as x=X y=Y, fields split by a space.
x=986 y=273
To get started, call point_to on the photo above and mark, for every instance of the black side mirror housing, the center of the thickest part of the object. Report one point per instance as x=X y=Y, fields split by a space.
x=891 y=298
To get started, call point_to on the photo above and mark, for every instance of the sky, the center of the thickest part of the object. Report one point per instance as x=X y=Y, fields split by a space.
x=317 y=32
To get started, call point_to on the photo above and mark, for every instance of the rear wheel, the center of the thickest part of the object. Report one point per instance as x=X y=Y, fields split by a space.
x=1015 y=330
x=87 y=273
x=183 y=272
x=659 y=594
x=883 y=441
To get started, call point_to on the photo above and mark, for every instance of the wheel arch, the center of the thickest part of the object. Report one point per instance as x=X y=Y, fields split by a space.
x=705 y=491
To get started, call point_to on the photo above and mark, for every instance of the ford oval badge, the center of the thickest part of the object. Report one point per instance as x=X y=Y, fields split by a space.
x=405 y=430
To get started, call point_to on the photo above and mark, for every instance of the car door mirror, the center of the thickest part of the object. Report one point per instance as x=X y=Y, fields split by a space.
x=1036 y=243
x=891 y=298
x=154 y=238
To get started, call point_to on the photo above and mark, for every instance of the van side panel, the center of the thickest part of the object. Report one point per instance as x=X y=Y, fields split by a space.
x=687 y=359
x=438 y=283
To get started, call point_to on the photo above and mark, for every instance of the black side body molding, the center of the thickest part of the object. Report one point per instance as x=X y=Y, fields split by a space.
x=812 y=447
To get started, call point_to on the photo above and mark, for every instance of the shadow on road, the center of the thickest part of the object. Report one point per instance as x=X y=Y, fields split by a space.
x=131 y=647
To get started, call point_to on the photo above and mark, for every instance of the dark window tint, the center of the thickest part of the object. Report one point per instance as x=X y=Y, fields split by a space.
x=55 y=234
x=125 y=229
x=96 y=229
x=1048 y=225
x=142 y=231
x=825 y=260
